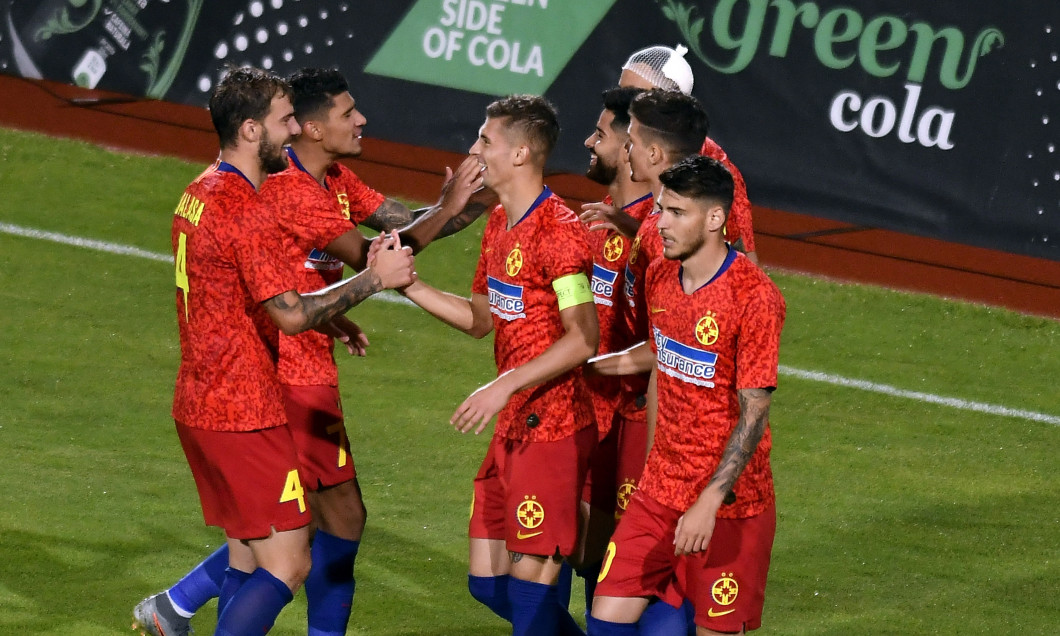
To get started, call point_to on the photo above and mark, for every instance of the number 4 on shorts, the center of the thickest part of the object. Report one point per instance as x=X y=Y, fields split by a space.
x=292 y=491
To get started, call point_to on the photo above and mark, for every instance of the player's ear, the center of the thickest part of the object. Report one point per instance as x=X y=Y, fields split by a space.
x=250 y=130
x=312 y=129
x=521 y=155
x=716 y=217
x=656 y=154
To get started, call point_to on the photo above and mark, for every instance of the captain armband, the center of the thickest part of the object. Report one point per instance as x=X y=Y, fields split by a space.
x=572 y=290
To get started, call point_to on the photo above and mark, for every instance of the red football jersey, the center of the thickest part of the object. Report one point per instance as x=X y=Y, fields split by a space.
x=515 y=270
x=647 y=246
x=610 y=252
x=229 y=258
x=313 y=216
x=723 y=337
x=738 y=224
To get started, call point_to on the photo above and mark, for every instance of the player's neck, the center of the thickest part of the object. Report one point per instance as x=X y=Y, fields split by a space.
x=518 y=195
x=624 y=191
x=703 y=264
x=654 y=185
x=314 y=159
x=246 y=160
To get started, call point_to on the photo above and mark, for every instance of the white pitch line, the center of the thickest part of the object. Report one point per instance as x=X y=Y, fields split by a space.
x=65 y=239
x=391 y=297
x=126 y=250
x=885 y=389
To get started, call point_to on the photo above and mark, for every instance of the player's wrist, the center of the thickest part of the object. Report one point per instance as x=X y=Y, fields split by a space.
x=712 y=497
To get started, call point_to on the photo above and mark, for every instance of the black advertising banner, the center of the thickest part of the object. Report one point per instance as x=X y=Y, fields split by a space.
x=932 y=118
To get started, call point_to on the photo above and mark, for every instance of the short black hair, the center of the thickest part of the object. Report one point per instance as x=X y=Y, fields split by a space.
x=313 y=90
x=243 y=93
x=617 y=100
x=534 y=115
x=699 y=177
x=675 y=120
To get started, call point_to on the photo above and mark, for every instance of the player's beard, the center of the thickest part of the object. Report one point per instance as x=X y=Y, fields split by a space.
x=682 y=252
x=272 y=156
x=601 y=172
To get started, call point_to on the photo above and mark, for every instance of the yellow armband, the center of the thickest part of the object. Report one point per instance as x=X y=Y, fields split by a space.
x=572 y=290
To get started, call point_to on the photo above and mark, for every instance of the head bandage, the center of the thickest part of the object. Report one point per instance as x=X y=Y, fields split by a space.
x=662 y=66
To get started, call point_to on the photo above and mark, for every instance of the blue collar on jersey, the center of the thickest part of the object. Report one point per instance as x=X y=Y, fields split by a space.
x=298 y=164
x=545 y=194
x=730 y=257
x=643 y=198
x=224 y=166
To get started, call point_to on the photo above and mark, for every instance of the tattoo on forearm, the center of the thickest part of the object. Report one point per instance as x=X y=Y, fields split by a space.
x=465 y=218
x=754 y=413
x=320 y=307
x=390 y=215
x=516 y=556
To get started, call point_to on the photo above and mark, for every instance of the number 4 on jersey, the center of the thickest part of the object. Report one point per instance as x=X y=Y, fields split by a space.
x=181 y=261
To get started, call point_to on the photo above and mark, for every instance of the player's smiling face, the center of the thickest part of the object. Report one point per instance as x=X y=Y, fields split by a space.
x=343 y=126
x=606 y=149
x=682 y=224
x=494 y=150
x=278 y=128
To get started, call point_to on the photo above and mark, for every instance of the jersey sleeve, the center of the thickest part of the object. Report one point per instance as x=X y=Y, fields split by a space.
x=479 y=284
x=363 y=200
x=757 y=354
x=570 y=251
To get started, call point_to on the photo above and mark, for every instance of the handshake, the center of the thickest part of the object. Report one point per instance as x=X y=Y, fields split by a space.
x=393 y=264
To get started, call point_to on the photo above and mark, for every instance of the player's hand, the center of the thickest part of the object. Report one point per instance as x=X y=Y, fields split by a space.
x=393 y=264
x=599 y=216
x=384 y=241
x=460 y=185
x=695 y=528
x=480 y=407
x=351 y=335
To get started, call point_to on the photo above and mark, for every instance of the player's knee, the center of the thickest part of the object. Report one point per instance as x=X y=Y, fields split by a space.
x=341 y=510
x=300 y=565
x=292 y=570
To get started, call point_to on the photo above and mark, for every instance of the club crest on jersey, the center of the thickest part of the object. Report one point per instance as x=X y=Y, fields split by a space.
x=613 y=248
x=506 y=300
x=344 y=204
x=634 y=250
x=707 y=329
x=684 y=362
x=603 y=285
x=514 y=262
x=530 y=514
x=321 y=260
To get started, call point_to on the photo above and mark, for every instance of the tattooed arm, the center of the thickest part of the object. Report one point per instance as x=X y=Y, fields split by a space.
x=294 y=313
x=462 y=201
x=696 y=526
x=391 y=215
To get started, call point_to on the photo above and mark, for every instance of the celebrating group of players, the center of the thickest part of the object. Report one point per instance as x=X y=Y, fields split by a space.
x=637 y=324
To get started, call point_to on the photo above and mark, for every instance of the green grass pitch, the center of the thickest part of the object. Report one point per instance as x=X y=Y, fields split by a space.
x=895 y=515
